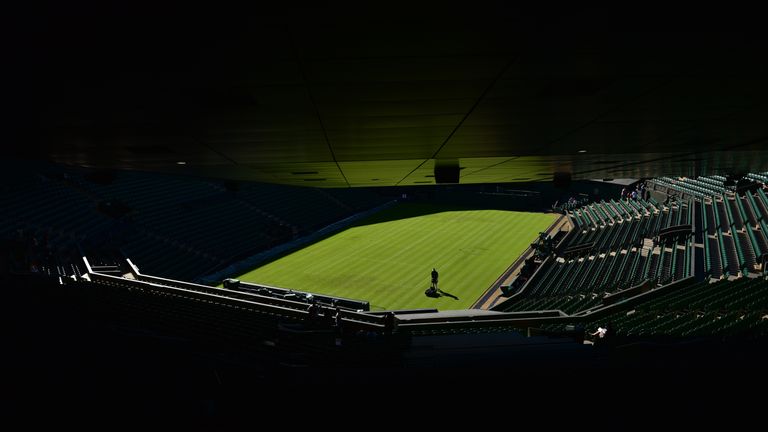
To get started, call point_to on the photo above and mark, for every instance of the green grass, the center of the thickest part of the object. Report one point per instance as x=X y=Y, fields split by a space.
x=387 y=259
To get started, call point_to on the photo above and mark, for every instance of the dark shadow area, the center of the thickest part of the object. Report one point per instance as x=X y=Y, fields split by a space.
x=114 y=209
x=66 y=353
x=535 y=197
x=101 y=177
x=408 y=210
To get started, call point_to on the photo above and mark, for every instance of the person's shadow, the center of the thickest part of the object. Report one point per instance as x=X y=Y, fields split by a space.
x=447 y=294
x=437 y=293
x=443 y=293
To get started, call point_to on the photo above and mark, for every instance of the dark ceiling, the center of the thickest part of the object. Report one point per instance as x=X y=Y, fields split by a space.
x=338 y=97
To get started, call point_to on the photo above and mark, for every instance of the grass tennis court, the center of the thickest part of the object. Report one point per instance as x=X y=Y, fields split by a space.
x=387 y=258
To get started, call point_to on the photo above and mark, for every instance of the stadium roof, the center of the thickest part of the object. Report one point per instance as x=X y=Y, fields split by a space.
x=338 y=97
